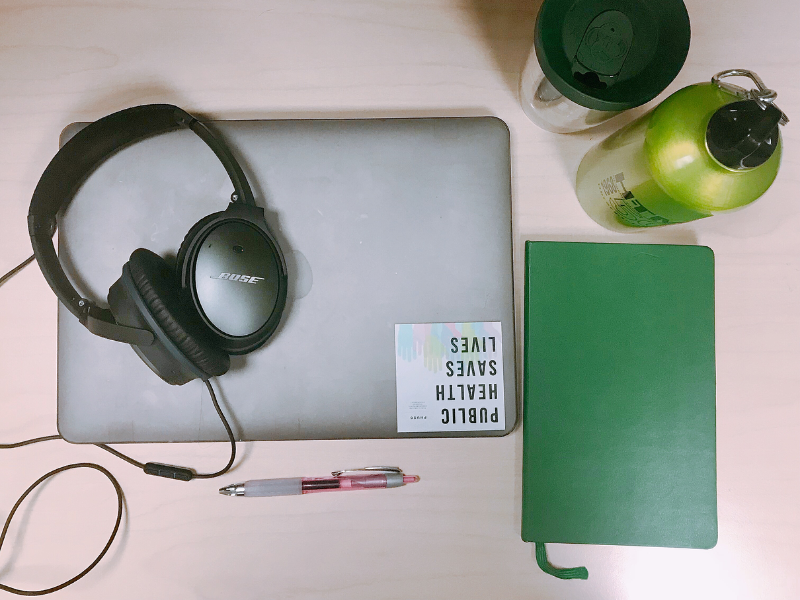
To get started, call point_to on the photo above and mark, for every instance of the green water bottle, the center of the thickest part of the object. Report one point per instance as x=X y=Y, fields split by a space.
x=708 y=148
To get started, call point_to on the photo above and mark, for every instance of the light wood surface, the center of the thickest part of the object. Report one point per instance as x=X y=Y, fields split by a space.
x=456 y=533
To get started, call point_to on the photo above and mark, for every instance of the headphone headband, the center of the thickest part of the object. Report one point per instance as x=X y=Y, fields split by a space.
x=70 y=167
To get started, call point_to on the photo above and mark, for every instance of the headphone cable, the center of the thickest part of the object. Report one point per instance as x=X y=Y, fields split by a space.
x=144 y=466
x=42 y=479
x=172 y=472
x=17 y=269
x=150 y=468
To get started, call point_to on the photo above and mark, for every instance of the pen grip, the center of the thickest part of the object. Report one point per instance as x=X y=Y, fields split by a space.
x=274 y=487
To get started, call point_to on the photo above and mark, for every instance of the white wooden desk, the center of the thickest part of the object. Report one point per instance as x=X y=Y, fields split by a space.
x=456 y=533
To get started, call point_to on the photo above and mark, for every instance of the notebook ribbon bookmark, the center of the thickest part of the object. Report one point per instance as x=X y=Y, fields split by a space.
x=544 y=565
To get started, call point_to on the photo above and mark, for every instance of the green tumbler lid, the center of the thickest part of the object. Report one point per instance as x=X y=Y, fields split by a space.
x=611 y=55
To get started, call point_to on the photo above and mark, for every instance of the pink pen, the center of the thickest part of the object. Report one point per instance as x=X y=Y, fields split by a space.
x=354 y=479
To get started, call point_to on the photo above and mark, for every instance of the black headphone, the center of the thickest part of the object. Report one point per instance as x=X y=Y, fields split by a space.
x=229 y=290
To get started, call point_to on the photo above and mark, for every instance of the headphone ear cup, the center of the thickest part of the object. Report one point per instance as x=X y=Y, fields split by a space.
x=234 y=245
x=182 y=350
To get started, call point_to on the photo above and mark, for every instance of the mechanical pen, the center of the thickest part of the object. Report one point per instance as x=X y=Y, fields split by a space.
x=354 y=479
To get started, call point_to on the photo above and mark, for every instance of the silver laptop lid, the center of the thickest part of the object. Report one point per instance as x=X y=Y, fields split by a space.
x=392 y=229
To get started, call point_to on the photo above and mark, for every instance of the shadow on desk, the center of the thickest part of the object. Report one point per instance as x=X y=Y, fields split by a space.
x=507 y=29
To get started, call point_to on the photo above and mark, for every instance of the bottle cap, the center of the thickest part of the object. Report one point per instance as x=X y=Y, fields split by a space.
x=744 y=134
x=611 y=55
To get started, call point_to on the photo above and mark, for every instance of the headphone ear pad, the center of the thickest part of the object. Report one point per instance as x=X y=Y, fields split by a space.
x=155 y=283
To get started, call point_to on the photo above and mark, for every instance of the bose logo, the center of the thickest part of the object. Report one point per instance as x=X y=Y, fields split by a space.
x=239 y=278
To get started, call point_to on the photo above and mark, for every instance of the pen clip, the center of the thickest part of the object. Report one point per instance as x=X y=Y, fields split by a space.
x=360 y=471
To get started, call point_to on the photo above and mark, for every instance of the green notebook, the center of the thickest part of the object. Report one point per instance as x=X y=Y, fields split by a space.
x=619 y=397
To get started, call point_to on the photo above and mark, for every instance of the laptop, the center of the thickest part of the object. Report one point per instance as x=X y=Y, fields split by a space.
x=400 y=317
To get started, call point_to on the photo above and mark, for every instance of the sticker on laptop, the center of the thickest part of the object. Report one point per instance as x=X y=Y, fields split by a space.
x=449 y=377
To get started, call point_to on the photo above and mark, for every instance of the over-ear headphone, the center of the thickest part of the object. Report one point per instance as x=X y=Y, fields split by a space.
x=229 y=290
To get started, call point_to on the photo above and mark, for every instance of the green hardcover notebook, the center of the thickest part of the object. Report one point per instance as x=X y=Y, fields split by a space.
x=619 y=397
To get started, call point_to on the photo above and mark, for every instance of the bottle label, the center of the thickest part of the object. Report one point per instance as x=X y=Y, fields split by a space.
x=626 y=208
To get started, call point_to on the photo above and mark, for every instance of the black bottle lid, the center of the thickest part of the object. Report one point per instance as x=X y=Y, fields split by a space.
x=744 y=134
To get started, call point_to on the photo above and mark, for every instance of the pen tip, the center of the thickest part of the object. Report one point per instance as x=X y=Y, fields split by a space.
x=410 y=478
x=236 y=489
